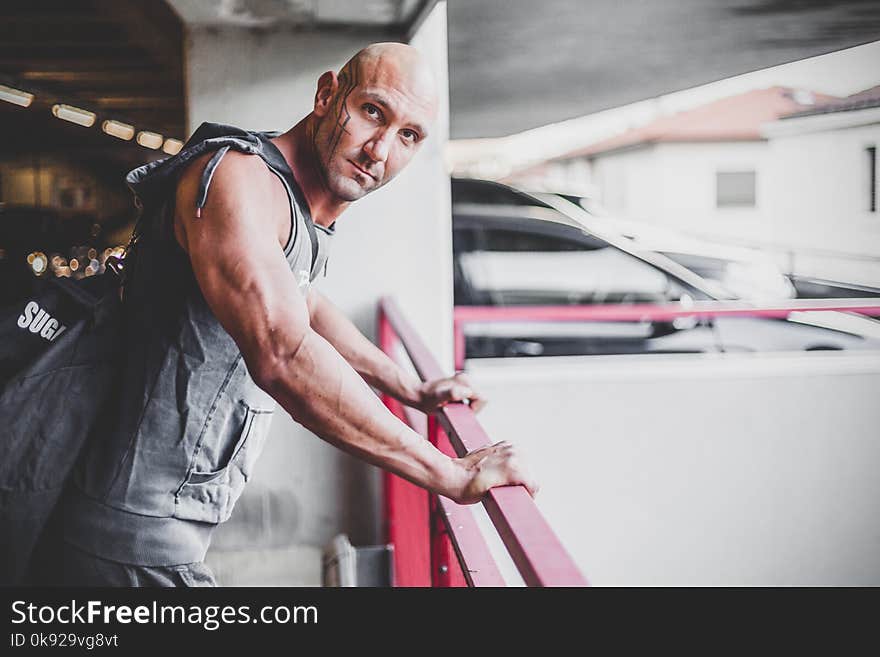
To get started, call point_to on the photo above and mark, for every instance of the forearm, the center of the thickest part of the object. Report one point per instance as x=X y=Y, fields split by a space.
x=322 y=392
x=374 y=365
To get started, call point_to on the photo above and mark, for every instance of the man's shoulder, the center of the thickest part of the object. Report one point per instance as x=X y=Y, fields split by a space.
x=241 y=183
x=233 y=164
x=210 y=130
x=242 y=174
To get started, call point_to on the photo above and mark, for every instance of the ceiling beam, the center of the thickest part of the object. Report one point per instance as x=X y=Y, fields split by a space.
x=39 y=62
x=53 y=18
x=145 y=102
x=74 y=50
x=154 y=27
x=101 y=78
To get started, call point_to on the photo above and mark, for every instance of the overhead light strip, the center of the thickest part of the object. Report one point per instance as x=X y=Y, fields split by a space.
x=150 y=139
x=172 y=146
x=16 y=96
x=73 y=114
x=118 y=129
x=87 y=119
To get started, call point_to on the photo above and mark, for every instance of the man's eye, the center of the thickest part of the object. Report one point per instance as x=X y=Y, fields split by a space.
x=409 y=135
x=372 y=110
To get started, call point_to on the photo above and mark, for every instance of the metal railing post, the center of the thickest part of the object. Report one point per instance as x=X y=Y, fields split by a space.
x=404 y=505
x=439 y=562
x=458 y=343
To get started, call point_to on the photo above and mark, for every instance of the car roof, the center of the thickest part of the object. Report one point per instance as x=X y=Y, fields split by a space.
x=472 y=190
x=476 y=202
x=522 y=217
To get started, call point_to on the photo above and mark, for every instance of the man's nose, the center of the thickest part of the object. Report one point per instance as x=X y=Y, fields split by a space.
x=377 y=148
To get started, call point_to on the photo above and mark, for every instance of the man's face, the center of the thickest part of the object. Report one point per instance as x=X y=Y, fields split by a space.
x=371 y=129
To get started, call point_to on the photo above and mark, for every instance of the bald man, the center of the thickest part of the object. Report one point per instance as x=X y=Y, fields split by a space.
x=222 y=323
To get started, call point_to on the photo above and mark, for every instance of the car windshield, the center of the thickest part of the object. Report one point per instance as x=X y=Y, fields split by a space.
x=483 y=192
x=536 y=263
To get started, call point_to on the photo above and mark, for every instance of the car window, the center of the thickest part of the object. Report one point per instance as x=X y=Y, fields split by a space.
x=516 y=241
x=487 y=193
x=514 y=267
x=707 y=267
x=464 y=240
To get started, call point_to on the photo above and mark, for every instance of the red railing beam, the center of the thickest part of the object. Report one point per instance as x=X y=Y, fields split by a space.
x=460 y=527
x=477 y=563
x=410 y=531
x=647 y=311
x=535 y=549
x=644 y=312
x=539 y=556
x=421 y=357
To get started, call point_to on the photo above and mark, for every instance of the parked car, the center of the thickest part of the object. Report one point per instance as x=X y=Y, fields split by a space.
x=745 y=273
x=808 y=287
x=512 y=248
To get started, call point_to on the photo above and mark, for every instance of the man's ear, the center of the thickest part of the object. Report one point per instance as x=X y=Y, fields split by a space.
x=327 y=86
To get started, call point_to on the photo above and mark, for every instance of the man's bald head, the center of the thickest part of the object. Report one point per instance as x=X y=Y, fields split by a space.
x=371 y=117
x=404 y=63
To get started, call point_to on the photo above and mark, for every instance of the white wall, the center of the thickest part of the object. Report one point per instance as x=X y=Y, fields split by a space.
x=811 y=208
x=701 y=470
x=819 y=199
x=395 y=242
x=673 y=185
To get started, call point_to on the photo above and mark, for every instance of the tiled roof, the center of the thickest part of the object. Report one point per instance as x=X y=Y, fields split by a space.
x=862 y=100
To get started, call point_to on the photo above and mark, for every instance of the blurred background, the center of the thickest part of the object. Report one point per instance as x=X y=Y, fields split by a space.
x=590 y=155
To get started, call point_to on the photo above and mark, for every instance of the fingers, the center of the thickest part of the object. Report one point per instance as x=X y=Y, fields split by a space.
x=494 y=465
x=478 y=402
x=466 y=391
x=460 y=393
x=514 y=473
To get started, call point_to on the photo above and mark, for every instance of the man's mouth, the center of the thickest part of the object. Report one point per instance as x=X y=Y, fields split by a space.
x=366 y=173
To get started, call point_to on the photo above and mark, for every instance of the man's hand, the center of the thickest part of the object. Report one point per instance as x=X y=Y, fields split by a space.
x=439 y=392
x=495 y=465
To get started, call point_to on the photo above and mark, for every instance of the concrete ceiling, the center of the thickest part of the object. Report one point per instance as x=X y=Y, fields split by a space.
x=518 y=64
x=514 y=64
x=123 y=60
x=113 y=57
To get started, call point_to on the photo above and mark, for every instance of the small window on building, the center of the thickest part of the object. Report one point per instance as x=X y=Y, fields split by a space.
x=872 y=178
x=735 y=189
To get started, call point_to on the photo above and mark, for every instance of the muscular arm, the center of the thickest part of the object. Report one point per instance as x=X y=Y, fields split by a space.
x=236 y=255
x=379 y=370
x=369 y=361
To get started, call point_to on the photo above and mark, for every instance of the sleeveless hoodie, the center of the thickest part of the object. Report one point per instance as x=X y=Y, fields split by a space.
x=167 y=463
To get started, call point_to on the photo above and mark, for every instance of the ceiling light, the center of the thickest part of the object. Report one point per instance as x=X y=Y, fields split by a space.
x=149 y=139
x=38 y=262
x=15 y=96
x=172 y=146
x=118 y=129
x=74 y=115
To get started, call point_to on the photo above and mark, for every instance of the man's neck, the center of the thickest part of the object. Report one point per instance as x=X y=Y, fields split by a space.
x=298 y=148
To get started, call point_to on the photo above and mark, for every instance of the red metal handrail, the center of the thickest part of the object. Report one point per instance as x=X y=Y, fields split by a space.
x=535 y=549
x=643 y=312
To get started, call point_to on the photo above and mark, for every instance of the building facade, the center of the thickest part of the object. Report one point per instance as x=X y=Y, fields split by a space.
x=790 y=172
